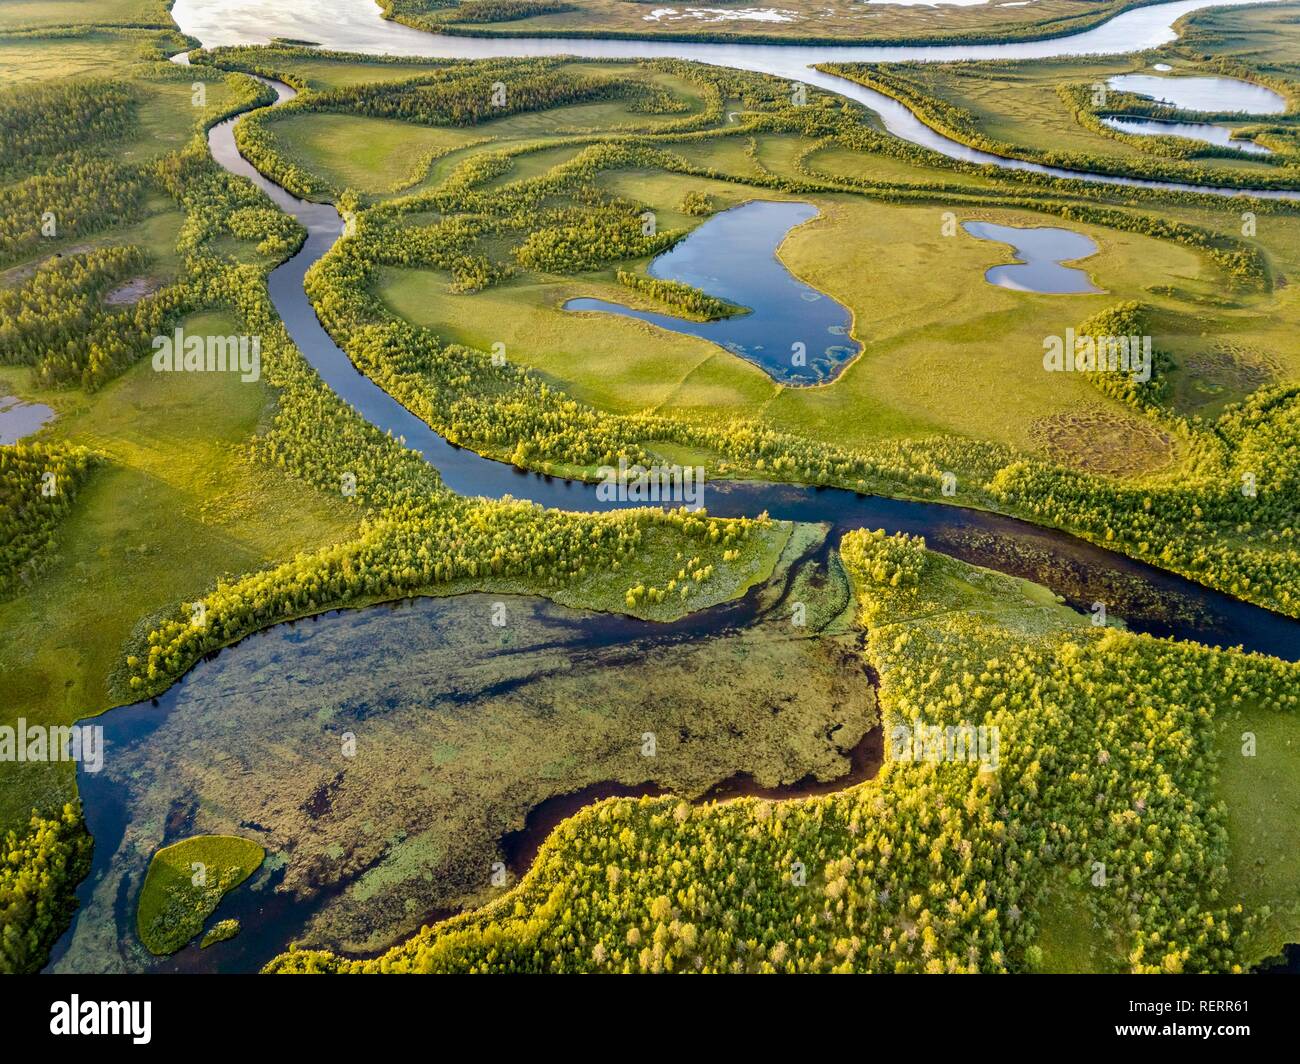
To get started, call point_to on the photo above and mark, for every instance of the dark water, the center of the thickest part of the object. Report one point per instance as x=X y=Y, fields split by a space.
x=247 y=743
x=792 y=332
x=1040 y=252
x=1147 y=598
x=1203 y=131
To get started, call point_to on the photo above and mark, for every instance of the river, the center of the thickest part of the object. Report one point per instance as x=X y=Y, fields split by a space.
x=356 y=26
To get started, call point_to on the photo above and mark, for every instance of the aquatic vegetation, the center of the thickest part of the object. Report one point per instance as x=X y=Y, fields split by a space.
x=221 y=931
x=1101 y=782
x=1105 y=776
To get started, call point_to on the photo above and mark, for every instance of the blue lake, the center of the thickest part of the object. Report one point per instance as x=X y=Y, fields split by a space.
x=1212 y=94
x=19 y=419
x=792 y=332
x=1040 y=252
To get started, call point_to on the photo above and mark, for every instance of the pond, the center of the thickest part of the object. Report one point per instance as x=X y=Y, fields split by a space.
x=1040 y=253
x=1205 y=131
x=19 y=419
x=1212 y=94
x=471 y=738
x=1150 y=599
x=791 y=331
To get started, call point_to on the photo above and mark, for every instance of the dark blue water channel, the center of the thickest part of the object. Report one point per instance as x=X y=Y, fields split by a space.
x=791 y=331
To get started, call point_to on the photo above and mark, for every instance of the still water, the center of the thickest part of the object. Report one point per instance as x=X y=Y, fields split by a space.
x=1040 y=253
x=791 y=331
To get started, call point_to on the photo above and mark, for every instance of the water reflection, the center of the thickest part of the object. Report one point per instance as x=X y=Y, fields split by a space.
x=794 y=333
x=1041 y=252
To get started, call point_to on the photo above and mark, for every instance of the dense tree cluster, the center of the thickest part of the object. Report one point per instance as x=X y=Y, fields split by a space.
x=509 y=413
x=698 y=203
x=682 y=297
x=58 y=323
x=79 y=195
x=39 y=872
x=475 y=11
x=38 y=483
x=49 y=120
x=416 y=548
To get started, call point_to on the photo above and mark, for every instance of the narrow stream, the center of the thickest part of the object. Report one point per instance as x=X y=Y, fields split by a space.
x=1147 y=598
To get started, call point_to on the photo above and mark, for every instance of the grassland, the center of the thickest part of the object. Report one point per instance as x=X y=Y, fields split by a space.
x=1258 y=749
x=370 y=155
x=928 y=332
x=176 y=505
x=1021 y=110
x=61 y=14
x=179 y=504
x=1262 y=36
x=186 y=882
x=29 y=59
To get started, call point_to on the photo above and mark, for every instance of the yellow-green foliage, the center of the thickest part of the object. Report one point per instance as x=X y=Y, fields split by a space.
x=38 y=483
x=39 y=870
x=186 y=882
x=1102 y=772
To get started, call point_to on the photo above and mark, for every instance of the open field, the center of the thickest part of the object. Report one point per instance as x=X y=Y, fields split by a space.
x=938 y=350
x=176 y=505
x=57 y=14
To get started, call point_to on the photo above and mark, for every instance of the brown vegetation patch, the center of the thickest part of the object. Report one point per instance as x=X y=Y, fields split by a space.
x=1103 y=441
x=131 y=292
x=1233 y=367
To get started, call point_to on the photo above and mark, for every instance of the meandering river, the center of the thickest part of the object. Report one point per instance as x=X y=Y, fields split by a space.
x=356 y=26
x=1150 y=599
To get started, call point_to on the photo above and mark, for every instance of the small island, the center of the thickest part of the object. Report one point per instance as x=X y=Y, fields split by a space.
x=185 y=884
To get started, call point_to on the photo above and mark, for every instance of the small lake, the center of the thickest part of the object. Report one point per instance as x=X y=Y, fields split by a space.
x=1215 y=95
x=1040 y=252
x=470 y=739
x=733 y=256
x=1211 y=134
x=19 y=419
